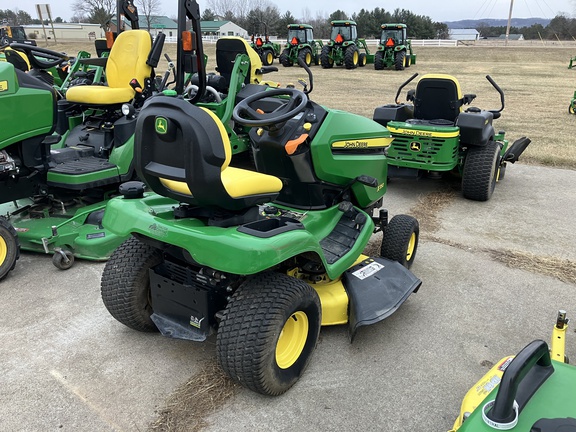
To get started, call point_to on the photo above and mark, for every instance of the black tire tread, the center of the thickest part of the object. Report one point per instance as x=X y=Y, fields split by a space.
x=396 y=237
x=285 y=58
x=379 y=60
x=399 y=60
x=349 y=57
x=478 y=175
x=125 y=280
x=246 y=330
x=324 y=57
x=10 y=236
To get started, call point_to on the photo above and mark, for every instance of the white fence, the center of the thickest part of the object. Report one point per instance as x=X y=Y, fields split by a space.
x=370 y=42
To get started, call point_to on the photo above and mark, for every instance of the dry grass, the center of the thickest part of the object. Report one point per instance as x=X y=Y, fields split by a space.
x=428 y=208
x=187 y=407
x=535 y=79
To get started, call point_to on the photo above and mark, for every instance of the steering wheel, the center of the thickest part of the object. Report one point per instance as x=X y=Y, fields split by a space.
x=245 y=115
x=48 y=58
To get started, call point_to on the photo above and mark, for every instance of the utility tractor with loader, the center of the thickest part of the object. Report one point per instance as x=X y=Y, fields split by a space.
x=263 y=256
x=344 y=46
x=394 y=48
x=301 y=44
x=435 y=135
x=266 y=49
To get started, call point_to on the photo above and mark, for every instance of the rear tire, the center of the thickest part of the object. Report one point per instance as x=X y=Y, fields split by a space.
x=125 y=284
x=480 y=170
x=399 y=60
x=351 y=57
x=306 y=56
x=325 y=60
x=379 y=60
x=362 y=60
x=285 y=58
x=268 y=332
x=400 y=240
x=9 y=247
x=267 y=57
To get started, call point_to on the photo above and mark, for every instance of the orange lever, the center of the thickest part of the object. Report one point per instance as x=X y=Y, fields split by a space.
x=292 y=145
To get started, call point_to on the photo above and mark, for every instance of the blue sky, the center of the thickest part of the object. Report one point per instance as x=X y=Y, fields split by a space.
x=445 y=10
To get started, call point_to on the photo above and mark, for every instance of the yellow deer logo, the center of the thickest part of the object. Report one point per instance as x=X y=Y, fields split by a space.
x=161 y=125
x=415 y=146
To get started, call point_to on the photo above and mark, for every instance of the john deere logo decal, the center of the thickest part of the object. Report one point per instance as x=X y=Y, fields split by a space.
x=161 y=125
x=3 y=86
x=415 y=146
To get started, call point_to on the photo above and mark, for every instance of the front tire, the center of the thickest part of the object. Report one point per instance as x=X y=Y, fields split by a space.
x=268 y=332
x=9 y=248
x=125 y=284
x=362 y=60
x=400 y=240
x=480 y=171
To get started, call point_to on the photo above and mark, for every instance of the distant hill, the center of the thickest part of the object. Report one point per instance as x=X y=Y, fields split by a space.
x=516 y=22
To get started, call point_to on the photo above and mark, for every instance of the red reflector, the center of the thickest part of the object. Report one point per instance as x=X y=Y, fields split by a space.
x=187 y=41
x=294 y=41
x=339 y=38
x=109 y=39
x=390 y=42
x=259 y=42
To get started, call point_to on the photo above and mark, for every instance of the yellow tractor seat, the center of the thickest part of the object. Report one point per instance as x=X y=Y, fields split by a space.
x=438 y=96
x=227 y=48
x=183 y=152
x=127 y=61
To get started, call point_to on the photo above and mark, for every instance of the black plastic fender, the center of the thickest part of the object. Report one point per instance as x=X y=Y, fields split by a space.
x=376 y=288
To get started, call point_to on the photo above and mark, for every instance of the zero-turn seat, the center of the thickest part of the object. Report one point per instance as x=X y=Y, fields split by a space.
x=438 y=97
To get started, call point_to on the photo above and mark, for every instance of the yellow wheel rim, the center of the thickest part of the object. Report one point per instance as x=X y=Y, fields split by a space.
x=355 y=57
x=269 y=58
x=3 y=250
x=411 y=247
x=571 y=109
x=292 y=340
x=308 y=59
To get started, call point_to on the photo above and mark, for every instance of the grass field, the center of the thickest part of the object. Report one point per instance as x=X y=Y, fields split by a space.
x=535 y=79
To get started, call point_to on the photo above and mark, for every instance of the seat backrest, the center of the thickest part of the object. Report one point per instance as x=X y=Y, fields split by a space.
x=438 y=96
x=182 y=151
x=127 y=59
x=17 y=58
x=227 y=48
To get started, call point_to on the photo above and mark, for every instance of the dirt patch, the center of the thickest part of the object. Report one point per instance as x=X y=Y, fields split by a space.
x=428 y=208
x=187 y=407
x=562 y=269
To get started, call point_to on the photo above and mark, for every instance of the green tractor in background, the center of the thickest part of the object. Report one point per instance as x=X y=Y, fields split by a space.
x=394 y=49
x=267 y=50
x=301 y=44
x=344 y=47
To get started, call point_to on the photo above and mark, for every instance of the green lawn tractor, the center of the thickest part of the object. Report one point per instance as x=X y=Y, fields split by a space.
x=264 y=256
x=434 y=136
x=532 y=391
x=267 y=50
x=301 y=44
x=344 y=47
x=61 y=159
x=62 y=180
x=394 y=49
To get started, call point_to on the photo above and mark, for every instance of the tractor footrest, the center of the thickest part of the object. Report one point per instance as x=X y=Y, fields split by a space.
x=84 y=165
x=342 y=238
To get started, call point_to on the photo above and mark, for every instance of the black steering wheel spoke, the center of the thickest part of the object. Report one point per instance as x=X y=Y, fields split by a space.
x=245 y=114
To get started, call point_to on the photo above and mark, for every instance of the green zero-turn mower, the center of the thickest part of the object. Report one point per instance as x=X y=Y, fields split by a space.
x=301 y=44
x=343 y=48
x=530 y=392
x=394 y=48
x=435 y=135
x=262 y=256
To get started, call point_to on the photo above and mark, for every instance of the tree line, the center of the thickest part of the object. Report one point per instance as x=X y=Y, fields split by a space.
x=263 y=16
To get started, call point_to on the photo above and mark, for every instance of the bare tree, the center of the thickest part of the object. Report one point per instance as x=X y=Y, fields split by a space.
x=99 y=11
x=149 y=9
